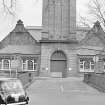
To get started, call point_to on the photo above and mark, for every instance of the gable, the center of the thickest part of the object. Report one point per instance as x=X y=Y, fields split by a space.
x=19 y=39
x=94 y=37
x=19 y=36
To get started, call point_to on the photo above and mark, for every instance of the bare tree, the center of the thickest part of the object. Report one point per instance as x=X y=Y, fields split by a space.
x=9 y=6
x=96 y=11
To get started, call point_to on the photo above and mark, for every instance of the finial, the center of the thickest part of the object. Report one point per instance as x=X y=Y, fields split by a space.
x=19 y=22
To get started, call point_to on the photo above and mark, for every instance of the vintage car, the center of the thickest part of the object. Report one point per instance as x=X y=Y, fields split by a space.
x=12 y=92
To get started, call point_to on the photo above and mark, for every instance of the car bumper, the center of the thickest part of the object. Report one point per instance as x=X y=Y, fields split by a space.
x=19 y=103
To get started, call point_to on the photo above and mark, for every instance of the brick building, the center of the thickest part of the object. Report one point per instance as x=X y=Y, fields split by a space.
x=58 y=48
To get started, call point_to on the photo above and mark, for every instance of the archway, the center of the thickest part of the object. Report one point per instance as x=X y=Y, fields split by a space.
x=58 y=65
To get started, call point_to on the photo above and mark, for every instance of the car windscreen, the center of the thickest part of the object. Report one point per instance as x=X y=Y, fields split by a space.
x=12 y=87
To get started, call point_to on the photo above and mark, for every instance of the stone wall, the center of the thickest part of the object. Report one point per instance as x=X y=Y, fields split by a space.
x=59 y=19
x=69 y=50
x=27 y=78
x=95 y=80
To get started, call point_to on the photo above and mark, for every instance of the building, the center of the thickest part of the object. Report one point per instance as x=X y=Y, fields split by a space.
x=58 y=48
x=62 y=55
x=58 y=43
x=19 y=48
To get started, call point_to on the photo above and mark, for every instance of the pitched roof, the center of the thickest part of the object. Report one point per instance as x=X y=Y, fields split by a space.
x=95 y=31
x=35 y=31
x=21 y=49
x=19 y=36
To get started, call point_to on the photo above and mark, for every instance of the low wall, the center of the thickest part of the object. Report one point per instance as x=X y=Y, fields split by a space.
x=27 y=78
x=96 y=80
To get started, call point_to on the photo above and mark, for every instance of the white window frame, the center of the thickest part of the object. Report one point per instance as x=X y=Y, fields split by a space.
x=81 y=64
x=2 y=64
x=91 y=64
x=32 y=67
x=83 y=69
x=26 y=64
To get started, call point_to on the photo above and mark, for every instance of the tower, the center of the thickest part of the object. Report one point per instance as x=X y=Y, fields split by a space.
x=58 y=43
x=59 y=19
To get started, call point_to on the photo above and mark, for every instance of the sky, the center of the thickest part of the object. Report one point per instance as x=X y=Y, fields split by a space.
x=30 y=12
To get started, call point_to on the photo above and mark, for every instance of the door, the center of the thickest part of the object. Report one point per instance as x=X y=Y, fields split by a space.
x=58 y=64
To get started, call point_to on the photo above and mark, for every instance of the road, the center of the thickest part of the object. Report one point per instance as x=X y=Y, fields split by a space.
x=66 y=91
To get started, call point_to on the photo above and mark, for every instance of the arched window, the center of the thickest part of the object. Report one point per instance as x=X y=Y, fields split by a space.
x=6 y=64
x=29 y=64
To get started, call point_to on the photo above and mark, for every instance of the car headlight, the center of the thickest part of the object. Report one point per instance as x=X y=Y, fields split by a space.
x=10 y=99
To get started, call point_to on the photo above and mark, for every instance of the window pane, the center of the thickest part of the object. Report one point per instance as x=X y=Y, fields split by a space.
x=6 y=64
x=35 y=66
x=0 y=65
x=24 y=67
x=92 y=67
x=81 y=66
x=87 y=65
x=35 y=61
x=30 y=65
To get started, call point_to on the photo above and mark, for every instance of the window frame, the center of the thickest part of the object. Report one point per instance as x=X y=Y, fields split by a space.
x=26 y=64
x=2 y=65
x=83 y=64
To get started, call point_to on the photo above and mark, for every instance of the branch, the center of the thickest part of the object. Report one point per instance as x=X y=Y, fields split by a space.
x=9 y=6
x=96 y=8
x=84 y=21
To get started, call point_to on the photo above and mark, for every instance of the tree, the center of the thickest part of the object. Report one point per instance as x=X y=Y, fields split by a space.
x=96 y=11
x=9 y=6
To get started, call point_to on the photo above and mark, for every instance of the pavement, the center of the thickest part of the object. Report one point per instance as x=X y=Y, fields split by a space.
x=63 y=91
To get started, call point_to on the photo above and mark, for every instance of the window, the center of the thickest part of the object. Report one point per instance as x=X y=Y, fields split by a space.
x=6 y=64
x=104 y=64
x=29 y=64
x=92 y=65
x=24 y=65
x=0 y=64
x=81 y=65
x=86 y=64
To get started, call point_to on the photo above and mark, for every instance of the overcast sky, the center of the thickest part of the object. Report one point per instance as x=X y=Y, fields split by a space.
x=30 y=11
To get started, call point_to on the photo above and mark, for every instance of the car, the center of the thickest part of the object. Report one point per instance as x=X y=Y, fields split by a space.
x=12 y=92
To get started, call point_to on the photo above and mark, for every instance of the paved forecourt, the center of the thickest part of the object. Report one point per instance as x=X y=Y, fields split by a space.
x=64 y=91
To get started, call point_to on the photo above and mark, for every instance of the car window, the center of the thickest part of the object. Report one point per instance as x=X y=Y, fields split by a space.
x=13 y=86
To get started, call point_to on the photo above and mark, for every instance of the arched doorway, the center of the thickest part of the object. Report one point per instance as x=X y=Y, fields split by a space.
x=58 y=64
